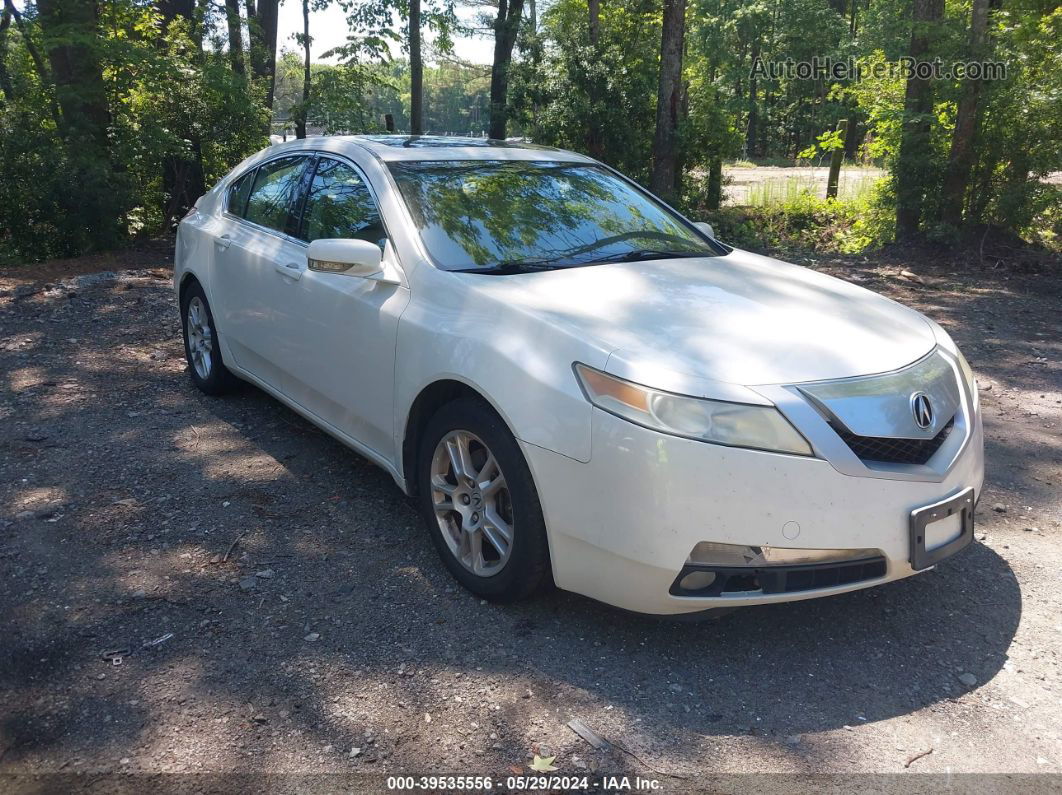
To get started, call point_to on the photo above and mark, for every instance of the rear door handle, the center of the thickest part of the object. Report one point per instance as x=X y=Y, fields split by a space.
x=291 y=271
x=223 y=242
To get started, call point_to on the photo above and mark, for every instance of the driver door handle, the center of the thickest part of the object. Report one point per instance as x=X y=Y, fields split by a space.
x=291 y=271
x=223 y=242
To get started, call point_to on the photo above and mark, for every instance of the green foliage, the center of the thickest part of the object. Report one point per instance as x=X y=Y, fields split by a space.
x=829 y=141
x=574 y=86
x=337 y=96
x=567 y=87
x=353 y=98
x=178 y=117
x=33 y=218
x=802 y=220
x=1021 y=130
x=168 y=101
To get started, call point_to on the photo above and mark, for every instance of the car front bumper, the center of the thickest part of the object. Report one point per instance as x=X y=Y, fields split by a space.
x=622 y=526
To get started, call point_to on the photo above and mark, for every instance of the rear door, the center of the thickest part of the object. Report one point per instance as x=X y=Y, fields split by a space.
x=258 y=264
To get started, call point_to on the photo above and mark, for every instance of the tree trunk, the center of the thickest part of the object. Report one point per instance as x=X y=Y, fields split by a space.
x=171 y=9
x=833 y=180
x=913 y=164
x=506 y=26
x=680 y=156
x=852 y=140
x=5 y=79
x=34 y=53
x=300 y=119
x=715 y=183
x=185 y=9
x=668 y=100
x=255 y=50
x=416 y=72
x=68 y=27
x=235 y=26
x=183 y=180
x=262 y=27
x=960 y=159
x=69 y=31
x=202 y=13
x=595 y=145
x=751 y=130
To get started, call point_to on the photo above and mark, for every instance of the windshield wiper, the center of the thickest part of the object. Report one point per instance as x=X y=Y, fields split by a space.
x=531 y=265
x=513 y=266
x=640 y=254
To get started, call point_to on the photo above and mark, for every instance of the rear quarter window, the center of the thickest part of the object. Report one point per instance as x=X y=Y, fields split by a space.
x=236 y=198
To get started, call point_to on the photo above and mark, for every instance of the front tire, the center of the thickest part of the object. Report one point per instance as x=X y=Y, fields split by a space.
x=201 y=347
x=480 y=503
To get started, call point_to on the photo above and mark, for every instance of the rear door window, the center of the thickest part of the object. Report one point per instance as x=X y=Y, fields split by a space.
x=274 y=198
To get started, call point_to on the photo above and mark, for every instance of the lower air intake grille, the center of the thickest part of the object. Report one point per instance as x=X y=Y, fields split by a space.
x=746 y=580
x=894 y=451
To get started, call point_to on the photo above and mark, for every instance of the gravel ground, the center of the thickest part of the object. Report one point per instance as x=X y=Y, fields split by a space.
x=279 y=608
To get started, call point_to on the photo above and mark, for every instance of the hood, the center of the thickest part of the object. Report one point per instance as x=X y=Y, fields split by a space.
x=737 y=319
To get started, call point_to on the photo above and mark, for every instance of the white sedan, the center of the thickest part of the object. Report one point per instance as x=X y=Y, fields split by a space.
x=579 y=385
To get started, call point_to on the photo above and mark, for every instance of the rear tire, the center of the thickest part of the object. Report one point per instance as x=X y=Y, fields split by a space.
x=480 y=504
x=202 y=347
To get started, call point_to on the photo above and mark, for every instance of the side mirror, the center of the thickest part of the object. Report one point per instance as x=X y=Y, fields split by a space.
x=706 y=227
x=349 y=256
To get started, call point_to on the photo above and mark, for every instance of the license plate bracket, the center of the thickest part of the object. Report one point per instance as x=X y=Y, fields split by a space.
x=963 y=504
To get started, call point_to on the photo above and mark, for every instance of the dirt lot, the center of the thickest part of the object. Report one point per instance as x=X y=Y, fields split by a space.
x=303 y=624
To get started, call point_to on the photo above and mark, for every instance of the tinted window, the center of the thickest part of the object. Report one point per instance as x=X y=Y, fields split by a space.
x=276 y=187
x=339 y=204
x=238 y=190
x=474 y=214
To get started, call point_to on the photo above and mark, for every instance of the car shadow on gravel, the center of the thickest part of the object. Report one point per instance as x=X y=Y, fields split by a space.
x=767 y=671
x=308 y=607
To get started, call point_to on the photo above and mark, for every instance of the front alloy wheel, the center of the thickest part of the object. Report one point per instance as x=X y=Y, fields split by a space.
x=480 y=503
x=472 y=503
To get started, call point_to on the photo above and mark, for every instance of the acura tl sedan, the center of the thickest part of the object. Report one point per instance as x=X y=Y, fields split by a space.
x=577 y=384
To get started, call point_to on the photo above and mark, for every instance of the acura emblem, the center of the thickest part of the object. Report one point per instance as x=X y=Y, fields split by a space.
x=922 y=410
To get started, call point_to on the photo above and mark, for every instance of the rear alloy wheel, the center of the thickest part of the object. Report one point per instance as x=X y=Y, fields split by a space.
x=201 y=347
x=480 y=503
x=200 y=337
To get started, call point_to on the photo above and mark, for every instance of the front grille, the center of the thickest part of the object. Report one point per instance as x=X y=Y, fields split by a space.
x=894 y=451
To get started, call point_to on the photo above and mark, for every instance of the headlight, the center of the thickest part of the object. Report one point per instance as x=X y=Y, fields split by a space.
x=716 y=421
x=968 y=377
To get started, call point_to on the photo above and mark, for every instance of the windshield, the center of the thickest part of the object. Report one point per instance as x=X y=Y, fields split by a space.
x=483 y=215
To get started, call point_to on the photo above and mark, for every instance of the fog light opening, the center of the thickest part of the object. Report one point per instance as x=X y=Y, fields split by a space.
x=697 y=580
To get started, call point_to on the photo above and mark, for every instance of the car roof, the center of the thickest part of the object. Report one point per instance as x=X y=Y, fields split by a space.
x=392 y=148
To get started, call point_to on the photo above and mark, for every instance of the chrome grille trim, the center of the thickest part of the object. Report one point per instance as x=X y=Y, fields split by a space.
x=814 y=423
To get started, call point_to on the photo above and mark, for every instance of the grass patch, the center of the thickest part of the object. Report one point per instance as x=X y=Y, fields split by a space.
x=792 y=217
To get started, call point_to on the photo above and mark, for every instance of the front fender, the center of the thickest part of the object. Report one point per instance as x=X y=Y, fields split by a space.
x=519 y=363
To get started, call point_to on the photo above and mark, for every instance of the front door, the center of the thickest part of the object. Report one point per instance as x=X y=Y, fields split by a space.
x=340 y=351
